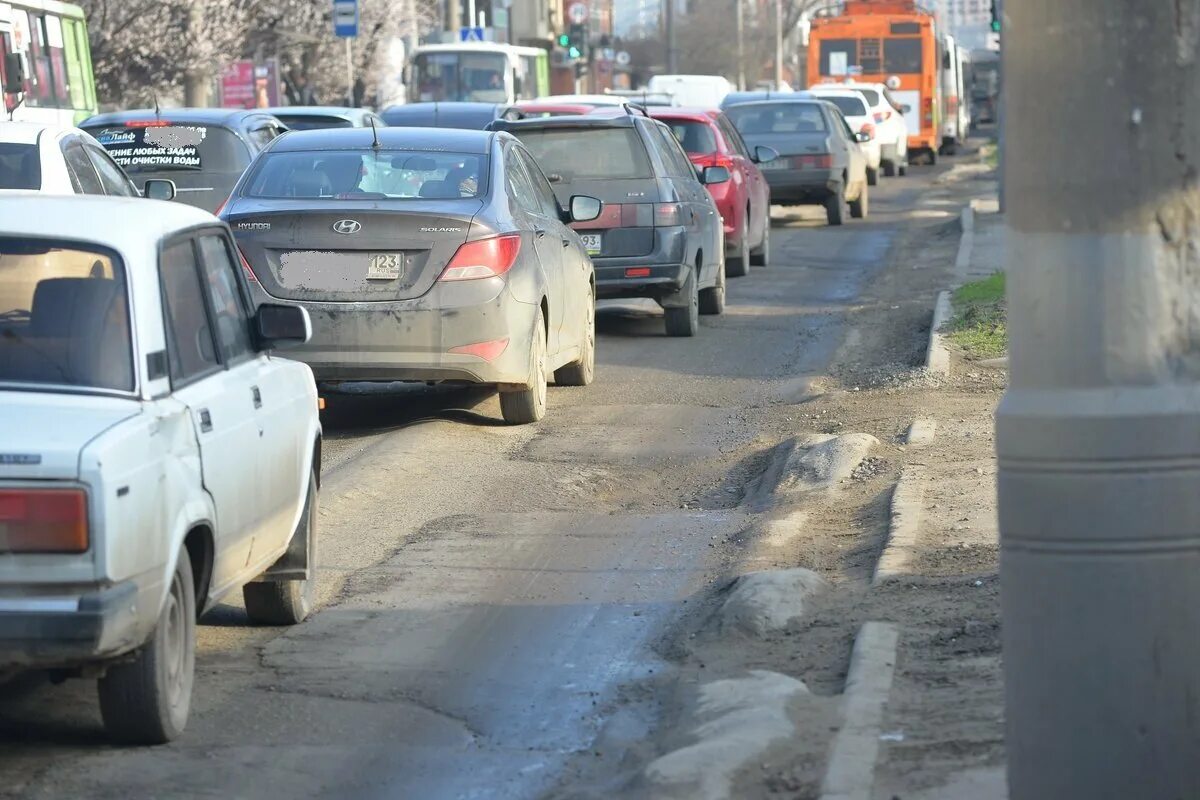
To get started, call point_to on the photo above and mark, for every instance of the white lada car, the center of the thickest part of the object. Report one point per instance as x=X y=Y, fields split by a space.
x=154 y=456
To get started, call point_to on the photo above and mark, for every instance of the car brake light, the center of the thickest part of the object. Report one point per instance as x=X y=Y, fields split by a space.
x=250 y=276
x=147 y=123
x=488 y=351
x=43 y=521
x=667 y=215
x=483 y=258
x=713 y=160
x=823 y=161
x=869 y=130
x=637 y=272
x=882 y=116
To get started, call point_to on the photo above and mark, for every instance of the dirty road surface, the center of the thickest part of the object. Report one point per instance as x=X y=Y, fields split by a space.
x=485 y=589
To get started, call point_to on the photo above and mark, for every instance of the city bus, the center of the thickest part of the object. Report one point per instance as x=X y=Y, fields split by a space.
x=480 y=72
x=50 y=40
x=892 y=42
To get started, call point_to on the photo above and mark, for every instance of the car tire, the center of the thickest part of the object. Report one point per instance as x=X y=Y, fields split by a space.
x=889 y=169
x=860 y=206
x=931 y=157
x=739 y=266
x=685 y=320
x=835 y=206
x=872 y=176
x=762 y=256
x=146 y=700
x=712 y=300
x=289 y=602
x=903 y=168
x=524 y=406
x=581 y=372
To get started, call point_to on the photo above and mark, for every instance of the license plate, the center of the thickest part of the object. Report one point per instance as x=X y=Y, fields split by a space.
x=591 y=243
x=779 y=163
x=385 y=266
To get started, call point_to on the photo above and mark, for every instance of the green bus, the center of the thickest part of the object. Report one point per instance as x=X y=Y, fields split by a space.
x=51 y=41
x=481 y=72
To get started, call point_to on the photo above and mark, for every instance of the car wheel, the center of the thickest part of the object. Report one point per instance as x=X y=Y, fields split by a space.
x=739 y=265
x=289 y=602
x=762 y=256
x=685 y=320
x=582 y=371
x=146 y=700
x=861 y=204
x=931 y=156
x=712 y=300
x=524 y=406
x=903 y=168
x=872 y=176
x=889 y=169
x=835 y=206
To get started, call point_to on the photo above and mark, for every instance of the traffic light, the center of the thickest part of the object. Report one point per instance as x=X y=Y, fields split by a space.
x=995 y=18
x=564 y=40
x=577 y=41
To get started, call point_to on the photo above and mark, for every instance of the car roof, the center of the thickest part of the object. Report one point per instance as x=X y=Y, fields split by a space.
x=586 y=99
x=345 y=112
x=683 y=112
x=454 y=140
x=28 y=132
x=784 y=101
x=836 y=92
x=583 y=122
x=446 y=115
x=211 y=116
x=124 y=224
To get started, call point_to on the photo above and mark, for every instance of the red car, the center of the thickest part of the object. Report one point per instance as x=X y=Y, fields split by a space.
x=535 y=108
x=744 y=201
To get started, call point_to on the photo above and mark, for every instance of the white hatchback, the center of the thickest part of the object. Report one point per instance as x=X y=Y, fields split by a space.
x=860 y=119
x=154 y=456
x=891 y=127
x=58 y=160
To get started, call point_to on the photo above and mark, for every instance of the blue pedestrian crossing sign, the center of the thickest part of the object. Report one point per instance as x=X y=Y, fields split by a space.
x=345 y=18
x=470 y=35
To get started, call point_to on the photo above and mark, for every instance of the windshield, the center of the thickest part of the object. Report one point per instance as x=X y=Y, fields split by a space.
x=20 y=167
x=588 y=153
x=152 y=147
x=310 y=122
x=777 y=118
x=696 y=137
x=63 y=317
x=472 y=77
x=359 y=175
x=850 y=106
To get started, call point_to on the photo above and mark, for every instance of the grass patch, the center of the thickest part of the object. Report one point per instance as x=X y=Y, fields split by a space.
x=991 y=155
x=979 y=326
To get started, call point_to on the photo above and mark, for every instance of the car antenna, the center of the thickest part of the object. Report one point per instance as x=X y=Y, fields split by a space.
x=157 y=114
x=375 y=145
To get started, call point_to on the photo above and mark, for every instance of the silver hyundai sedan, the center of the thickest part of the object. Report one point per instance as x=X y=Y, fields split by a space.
x=422 y=255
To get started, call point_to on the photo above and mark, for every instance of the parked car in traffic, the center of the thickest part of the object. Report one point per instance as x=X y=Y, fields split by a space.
x=306 y=118
x=861 y=120
x=891 y=127
x=422 y=256
x=744 y=201
x=155 y=456
x=820 y=161
x=659 y=234
x=467 y=116
x=202 y=150
x=756 y=95
x=61 y=160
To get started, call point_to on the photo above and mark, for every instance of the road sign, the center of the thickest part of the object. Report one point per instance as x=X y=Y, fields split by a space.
x=345 y=18
x=623 y=58
x=578 y=13
x=471 y=35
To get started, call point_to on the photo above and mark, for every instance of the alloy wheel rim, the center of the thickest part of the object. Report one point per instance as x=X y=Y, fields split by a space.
x=176 y=646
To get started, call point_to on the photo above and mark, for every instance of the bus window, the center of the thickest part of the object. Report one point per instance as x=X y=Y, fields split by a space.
x=837 y=56
x=477 y=77
x=76 y=85
x=902 y=56
x=529 y=78
x=58 y=66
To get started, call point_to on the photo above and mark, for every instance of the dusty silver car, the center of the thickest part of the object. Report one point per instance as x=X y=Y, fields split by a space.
x=422 y=255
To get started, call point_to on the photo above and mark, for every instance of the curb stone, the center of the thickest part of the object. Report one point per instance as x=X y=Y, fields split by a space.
x=903 y=526
x=920 y=432
x=937 y=356
x=850 y=772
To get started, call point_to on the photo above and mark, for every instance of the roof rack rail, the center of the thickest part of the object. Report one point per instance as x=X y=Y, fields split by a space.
x=635 y=108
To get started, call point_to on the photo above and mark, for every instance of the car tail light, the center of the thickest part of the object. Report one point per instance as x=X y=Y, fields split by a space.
x=668 y=214
x=484 y=258
x=488 y=351
x=869 y=130
x=43 y=521
x=637 y=272
x=822 y=161
x=882 y=116
x=250 y=276
x=713 y=160
x=221 y=207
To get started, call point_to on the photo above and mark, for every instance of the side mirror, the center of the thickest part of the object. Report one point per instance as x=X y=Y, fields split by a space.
x=585 y=208
x=16 y=72
x=764 y=154
x=715 y=175
x=862 y=137
x=159 y=189
x=280 y=325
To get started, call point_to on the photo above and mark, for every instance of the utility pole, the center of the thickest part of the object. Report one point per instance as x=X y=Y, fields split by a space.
x=741 y=46
x=778 y=44
x=1098 y=434
x=453 y=16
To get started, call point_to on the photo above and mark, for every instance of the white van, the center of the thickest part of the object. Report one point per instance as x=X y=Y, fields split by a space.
x=705 y=91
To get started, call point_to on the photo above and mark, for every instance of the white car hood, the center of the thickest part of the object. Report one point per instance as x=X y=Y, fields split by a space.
x=42 y=434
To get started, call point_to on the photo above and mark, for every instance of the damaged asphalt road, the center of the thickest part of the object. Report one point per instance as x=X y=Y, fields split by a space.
x=486 y=588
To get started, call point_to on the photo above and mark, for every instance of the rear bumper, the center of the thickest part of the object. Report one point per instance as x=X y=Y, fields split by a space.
x=68 y=630
x=801 y=187
x=411 y=340
x=667 y=263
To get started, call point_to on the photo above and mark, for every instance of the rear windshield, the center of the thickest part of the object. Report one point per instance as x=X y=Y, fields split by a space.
x=870 y=95
x=777 y=118
x=569 y=154
x=696 y=137
x=850 y=106
x=20 y=167
x=367 y=175
x=172 y=148
x=64 y=318
x=311 y=122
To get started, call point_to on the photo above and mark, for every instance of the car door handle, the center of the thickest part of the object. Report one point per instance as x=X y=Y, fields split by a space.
x=566 y=242
x=539 y=233
x=205 y=421
x=257 y=396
